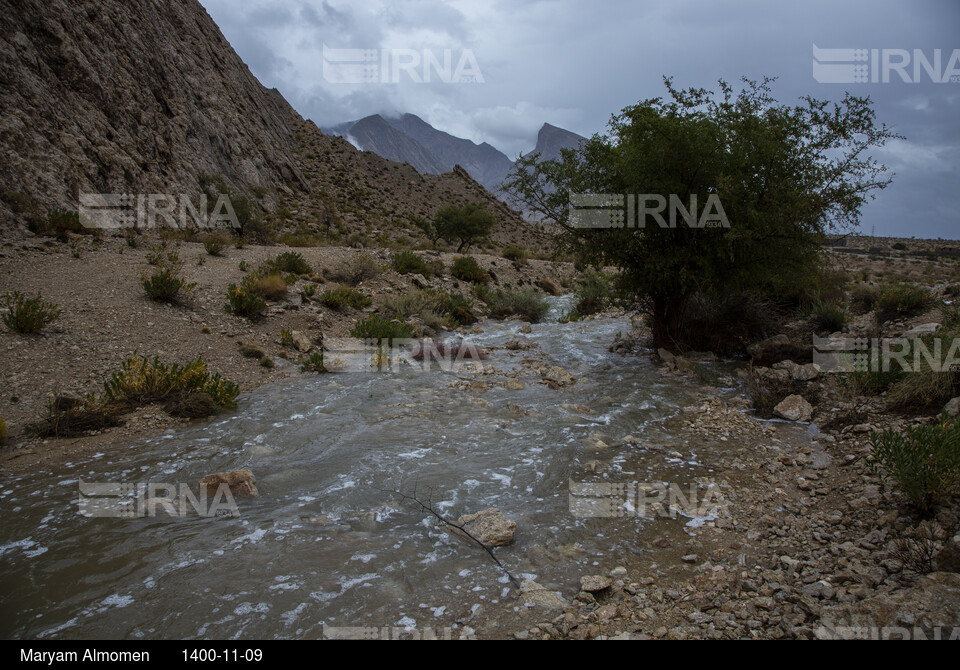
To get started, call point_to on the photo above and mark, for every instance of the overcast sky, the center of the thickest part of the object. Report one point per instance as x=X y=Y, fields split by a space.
x=573 y=64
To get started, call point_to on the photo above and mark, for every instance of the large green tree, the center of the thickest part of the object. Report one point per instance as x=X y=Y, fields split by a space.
x=783 y=177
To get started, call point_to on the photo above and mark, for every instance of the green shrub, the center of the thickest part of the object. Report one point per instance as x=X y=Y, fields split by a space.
x=900 y=246
x=516 y=253
x=342 y=297
x=924 y=461
x=293 y=262
x=863 y=298
x=215 y=243
x=528 y=304
x=165 y=284
x=141 y=381
x=467 y=269
x=457 y=308
x=242 y=301
x=592 y=294
x=827 y=317
x=29 y=315
x=314 y=363
x=60 y=222
x=407 y=262
x=901 y=301
x=286 y=337
x=377 y=328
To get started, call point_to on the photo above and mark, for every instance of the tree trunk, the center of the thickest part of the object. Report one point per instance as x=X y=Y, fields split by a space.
x=667 y=321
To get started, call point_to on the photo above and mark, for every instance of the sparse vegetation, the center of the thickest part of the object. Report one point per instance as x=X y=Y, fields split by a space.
x=166 y=284
x=28 y=315
x=527 y=304
x=901 y=301
x=359 y=268
x=377 y=328
x=515 y=253
x=828 y=317
x=924 y=461
x=292 y=262
x=141 y=381
x=343 y=297
x=215 y=243
x=314 y=363
x=593 y=293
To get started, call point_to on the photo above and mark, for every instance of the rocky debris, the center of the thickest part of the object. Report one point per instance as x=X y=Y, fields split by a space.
x=461 y=350
x=534 y=594
x=794 y=408
x=519 y=345
x=927 y=609
x=802 y=373
x=240 y=482
x=489 y=526
x=558 y=377
x=513 y=384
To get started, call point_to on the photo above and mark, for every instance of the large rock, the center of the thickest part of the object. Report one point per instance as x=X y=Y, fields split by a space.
x=801 y=373
x=921 y=329
x=953 y=407
x=794 y=408
x=557 y=377
x=929 y=607
x=535 y=594
x=489 y=526
x=301 y=341
x=595 y=583
x=241 y=483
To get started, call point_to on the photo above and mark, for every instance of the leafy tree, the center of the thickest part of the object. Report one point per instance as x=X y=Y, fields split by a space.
x=466 y=224
x=783 y=176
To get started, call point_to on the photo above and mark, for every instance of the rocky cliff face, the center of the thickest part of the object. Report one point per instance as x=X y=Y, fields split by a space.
x=114 y=96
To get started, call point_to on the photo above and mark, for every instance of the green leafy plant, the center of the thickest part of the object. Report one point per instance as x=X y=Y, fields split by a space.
x=900 y=301
x=407 y=262
x=166 y=284
x=377 y=328
x=924 y=461
x=28 y=315
x=467 y=269
x=141 y=381
x=314 y=363
x=344 y=297
x=592 y=294
x=292 y=262
x=242 y=301
x=286 y=337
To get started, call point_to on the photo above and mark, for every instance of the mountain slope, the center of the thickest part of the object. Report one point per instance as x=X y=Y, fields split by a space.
x=551 y=139
x=375 y=134
x=109 y=96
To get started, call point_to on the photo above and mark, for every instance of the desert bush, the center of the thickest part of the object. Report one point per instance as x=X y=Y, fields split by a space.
x=73 y=420
x=314 y=363
x=924 y=461
x=28 y=315
x=270 y=286
x=900 y=301
x=513 y=252
x=215 y=243
x=242 y=301
x=457 y=308
x=342 y=297
x=141 y=381
x=166 y=284
x=413 y=303
x=528 y=304
x=863 y=298
x=377 y=328
x=592 y=294
x=60 y=222
x=292 y=262
x=407 y=262
x=466 y=268
x=359 y=268
x=828 y=317
x=286 y=337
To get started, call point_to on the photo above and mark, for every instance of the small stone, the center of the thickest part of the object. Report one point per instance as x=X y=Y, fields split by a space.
x=595 y=583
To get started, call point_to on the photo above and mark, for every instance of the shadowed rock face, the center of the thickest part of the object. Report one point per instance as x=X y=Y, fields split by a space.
x=111 y=96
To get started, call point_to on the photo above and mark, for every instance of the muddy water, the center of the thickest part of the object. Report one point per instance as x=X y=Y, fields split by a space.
x=329 y=542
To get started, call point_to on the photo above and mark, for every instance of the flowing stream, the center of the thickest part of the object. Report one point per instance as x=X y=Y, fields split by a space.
x=329 y=542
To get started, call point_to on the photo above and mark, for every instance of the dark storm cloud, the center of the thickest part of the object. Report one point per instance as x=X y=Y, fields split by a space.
x=573 y=64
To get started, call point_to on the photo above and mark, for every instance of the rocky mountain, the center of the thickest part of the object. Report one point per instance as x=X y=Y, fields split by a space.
x=550 y=140
x=112 y=96
x=109 y=96
x=483 y=162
